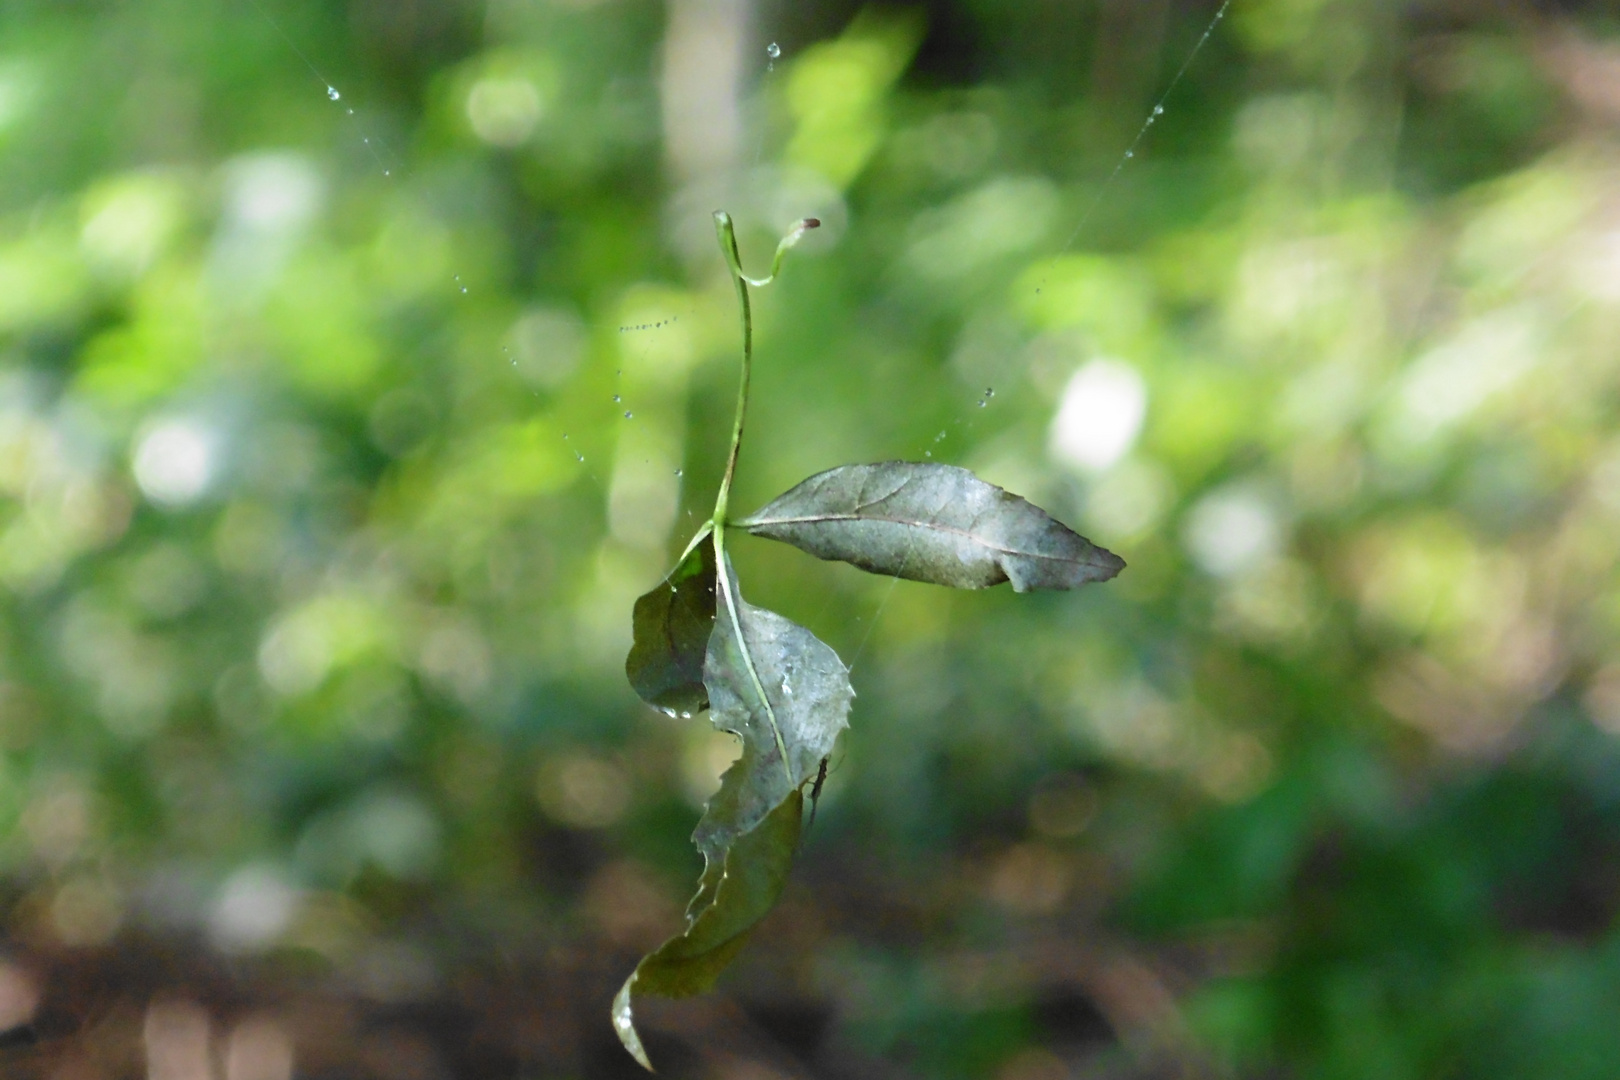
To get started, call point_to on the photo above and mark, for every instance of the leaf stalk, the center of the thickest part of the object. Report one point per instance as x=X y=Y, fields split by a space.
x=727 y=234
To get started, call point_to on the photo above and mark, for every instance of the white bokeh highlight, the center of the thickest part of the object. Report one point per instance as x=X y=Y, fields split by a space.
x=1231 y=531
x=255 y=907
x=1100 y=415
x=271 y=193
x=174 y=462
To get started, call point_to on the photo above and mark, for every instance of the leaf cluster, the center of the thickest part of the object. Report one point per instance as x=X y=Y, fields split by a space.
x=785 y=694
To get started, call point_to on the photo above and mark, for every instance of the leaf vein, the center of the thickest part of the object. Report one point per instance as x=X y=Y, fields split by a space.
x=981 y=541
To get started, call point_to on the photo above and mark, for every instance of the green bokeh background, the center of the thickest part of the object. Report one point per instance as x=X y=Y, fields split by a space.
x=339 y=431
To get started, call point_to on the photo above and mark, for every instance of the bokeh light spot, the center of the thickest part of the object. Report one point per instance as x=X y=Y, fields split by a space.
x=259 y=1049
x=255 y=907
x=503 y=111
x=1100 y=415
x=174 y=462
x=1231 y=530
x=582 y=791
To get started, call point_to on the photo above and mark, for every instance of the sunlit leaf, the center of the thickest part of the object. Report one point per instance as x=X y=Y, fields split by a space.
x=934 y=523
x=672 y=622
x=787 y=695
x=805 y=704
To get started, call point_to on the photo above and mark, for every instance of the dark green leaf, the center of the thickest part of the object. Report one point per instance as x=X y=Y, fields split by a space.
x=934 y=523
x=787 y=695
x=734 y=893
x=672 y=624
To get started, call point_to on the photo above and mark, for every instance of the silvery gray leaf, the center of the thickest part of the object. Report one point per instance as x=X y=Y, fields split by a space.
x=779 y=688
x=935 y=523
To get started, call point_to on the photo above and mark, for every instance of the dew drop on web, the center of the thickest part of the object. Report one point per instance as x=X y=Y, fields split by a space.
x=1158 y=110
x=616 y=397
x=628 y=414
x=332 y=94
x=773 y=50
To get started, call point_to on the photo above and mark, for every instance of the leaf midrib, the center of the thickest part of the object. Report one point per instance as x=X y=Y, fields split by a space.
x=751 y=523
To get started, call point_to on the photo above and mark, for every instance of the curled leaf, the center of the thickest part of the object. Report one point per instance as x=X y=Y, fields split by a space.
x=735 y=892
x=935 y=523
x=787 y=695
x=671 y=625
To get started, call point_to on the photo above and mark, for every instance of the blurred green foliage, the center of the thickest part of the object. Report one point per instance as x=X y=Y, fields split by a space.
x=339 y=430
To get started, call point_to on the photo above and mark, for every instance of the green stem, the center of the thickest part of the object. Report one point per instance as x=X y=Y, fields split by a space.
x=728 y=247
x=717 y=523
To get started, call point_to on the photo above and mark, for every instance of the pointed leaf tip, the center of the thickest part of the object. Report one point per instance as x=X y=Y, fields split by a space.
x=935 y=523
x=624 y=1025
